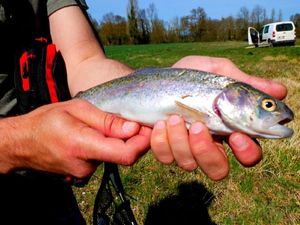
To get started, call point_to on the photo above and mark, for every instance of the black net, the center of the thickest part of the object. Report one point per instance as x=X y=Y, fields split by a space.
x=111 y=206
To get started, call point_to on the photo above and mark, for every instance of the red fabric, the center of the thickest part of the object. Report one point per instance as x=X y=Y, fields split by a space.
x=51 y=52
x=24 y=70
x=42 y=39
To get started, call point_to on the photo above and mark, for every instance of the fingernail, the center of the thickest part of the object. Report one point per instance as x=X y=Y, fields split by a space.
x=160 y=125
x=240 y=142
x=196 y=128
x=129 y=127
x=174 y=120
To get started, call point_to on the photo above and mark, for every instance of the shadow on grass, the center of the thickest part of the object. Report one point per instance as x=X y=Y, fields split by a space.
x=189 y=206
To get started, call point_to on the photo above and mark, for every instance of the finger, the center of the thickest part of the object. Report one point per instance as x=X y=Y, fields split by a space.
x=110 y=125
x=136 y=146
x=273 y=88
x=225 y=67
x=81 y=169
x=247 y=152
x=160 y=144
x=179 y=143
x=107 y=149
x=209 y=156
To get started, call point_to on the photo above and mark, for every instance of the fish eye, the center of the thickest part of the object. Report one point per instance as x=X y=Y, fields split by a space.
x=268 y=105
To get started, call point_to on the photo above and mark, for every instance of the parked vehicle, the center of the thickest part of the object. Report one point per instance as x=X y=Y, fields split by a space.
x=279 y=33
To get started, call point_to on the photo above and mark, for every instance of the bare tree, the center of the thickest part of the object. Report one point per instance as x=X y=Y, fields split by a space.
x=197 y=22
x=152 y=13
x=173 y=31
x=132 y=13
x=257 y=16
x=242 y=23
x=158 y=34
x=296 y=19
x=273 y=15
x=144 y=27
x=244 y=15
x=265 y=18
x=280 y=15
x=185 y=28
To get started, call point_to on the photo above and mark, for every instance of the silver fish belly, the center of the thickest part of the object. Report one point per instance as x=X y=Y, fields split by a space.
x=153 y=94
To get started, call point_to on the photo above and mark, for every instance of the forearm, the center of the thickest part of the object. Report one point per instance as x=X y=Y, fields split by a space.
x=10 y=151
x=86 y=63
x=93 y=71
x=57 y=137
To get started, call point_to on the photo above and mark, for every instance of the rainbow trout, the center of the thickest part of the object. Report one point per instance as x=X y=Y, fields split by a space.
x=223 y=104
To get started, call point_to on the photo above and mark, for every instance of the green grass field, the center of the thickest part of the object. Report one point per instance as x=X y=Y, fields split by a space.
x=268 y=193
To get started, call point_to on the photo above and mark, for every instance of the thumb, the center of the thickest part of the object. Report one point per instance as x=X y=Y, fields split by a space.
x=108 y=124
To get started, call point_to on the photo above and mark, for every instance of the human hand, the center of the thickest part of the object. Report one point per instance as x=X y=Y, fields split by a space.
x=63 y=138
x=197 y=148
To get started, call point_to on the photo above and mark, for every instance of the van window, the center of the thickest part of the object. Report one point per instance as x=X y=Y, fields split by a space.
x=284 y=27
x=266 y=30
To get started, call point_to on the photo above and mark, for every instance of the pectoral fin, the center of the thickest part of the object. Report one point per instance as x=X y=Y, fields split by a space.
x=189 y=113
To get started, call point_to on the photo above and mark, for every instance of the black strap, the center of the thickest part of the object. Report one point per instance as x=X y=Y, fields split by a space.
x=111 y=205
x=42 y=28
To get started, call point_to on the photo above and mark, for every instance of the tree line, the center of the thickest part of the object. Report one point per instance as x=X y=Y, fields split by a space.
x=142 y=26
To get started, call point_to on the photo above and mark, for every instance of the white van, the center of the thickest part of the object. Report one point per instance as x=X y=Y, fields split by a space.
x=273 y=34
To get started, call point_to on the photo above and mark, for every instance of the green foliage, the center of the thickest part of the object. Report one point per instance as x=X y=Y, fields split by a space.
x=268 y=193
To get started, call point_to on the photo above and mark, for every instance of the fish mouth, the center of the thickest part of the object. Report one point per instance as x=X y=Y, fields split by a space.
x=279 y=130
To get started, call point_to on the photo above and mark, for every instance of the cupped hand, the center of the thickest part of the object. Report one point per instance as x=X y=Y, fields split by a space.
x=196 y=147
x=63 y=138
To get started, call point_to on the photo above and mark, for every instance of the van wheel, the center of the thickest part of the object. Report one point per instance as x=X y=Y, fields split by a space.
x=270 y=43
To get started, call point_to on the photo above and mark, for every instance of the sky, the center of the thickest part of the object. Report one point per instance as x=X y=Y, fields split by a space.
x=215 y=9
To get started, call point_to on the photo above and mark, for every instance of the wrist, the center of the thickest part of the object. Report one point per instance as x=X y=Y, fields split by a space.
x=95 y=71
x=12 y=147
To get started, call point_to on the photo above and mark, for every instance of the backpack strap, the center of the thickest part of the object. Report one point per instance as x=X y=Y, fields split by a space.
x=40 y=75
